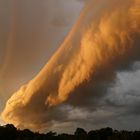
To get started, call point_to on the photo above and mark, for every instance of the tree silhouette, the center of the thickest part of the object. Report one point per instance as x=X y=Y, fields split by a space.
x=9 y=132
x=80 y=134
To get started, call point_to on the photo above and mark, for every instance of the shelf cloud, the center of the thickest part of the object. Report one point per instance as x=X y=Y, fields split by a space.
x=103 y=42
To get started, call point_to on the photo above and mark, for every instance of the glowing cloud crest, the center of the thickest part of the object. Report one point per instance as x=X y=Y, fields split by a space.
x=103 y=41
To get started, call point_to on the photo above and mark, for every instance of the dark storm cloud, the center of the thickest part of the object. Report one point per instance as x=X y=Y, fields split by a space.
x=118 y=109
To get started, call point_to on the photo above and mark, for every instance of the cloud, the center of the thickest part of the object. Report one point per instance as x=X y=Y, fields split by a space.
x=104 y=41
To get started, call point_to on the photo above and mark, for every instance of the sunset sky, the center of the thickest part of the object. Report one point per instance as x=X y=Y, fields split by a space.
x=30 y=32
x=36 y=29
x=90 y=55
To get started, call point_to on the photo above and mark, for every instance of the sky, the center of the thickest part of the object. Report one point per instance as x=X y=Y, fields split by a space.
x=92 y=75
x=30 y=32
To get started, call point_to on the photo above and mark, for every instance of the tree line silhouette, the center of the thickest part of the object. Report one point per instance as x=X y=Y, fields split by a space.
x=9 y=132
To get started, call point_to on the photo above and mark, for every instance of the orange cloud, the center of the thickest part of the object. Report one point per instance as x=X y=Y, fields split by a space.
x=103 y=41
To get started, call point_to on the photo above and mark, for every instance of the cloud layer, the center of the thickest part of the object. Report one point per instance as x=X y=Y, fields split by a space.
x=104 y=41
